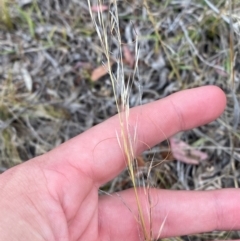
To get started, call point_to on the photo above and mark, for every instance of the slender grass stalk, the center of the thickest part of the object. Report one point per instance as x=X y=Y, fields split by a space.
x=159 y=38
x=121 y=89
x=5 y=14
x=26 y=16
x=231 y=43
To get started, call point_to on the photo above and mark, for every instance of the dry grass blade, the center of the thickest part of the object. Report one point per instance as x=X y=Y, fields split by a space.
x=121 y=89
x=99 y=72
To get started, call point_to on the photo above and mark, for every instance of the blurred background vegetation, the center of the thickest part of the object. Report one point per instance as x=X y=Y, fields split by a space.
x=53 y=86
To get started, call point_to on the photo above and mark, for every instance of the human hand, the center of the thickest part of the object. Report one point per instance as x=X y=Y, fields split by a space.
x=55 y=196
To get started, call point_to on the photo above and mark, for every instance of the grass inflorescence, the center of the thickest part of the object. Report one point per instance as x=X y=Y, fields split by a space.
x=108 y=28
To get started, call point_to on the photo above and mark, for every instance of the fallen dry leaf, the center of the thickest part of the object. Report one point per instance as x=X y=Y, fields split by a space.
x=99 y=72
x=27 y=79
x=128 y=57
x=221 y=72
x=99 y=8
x=83 y=65
x=140 y=161
x=185 y=153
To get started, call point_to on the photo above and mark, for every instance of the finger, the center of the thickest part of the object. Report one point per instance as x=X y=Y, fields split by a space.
x=173 y=213
x=97 y=153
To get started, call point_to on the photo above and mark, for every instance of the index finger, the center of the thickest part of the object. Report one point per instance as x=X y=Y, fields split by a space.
x=96 y=152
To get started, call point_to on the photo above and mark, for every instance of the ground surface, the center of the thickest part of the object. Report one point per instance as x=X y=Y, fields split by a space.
x=48 y=94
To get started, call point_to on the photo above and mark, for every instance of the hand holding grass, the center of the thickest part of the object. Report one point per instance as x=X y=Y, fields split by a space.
x=55 y=196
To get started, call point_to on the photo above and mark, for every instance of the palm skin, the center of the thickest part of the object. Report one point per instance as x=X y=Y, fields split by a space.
x=55 y=196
